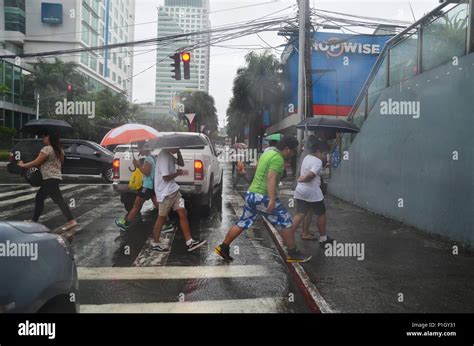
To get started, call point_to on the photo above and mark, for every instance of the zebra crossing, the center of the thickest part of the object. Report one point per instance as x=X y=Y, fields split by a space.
x=112 y=279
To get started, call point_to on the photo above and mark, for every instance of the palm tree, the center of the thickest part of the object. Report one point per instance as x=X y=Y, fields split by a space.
x=256 y=88
x=51 y=80
x=203 y=105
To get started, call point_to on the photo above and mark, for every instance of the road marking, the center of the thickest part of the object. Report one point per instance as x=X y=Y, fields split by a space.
x=14 y=212
x=31 y=196
x=16 y=192
x=91 y=216
x=56 y=212
x=259 y=305
x=175 y=272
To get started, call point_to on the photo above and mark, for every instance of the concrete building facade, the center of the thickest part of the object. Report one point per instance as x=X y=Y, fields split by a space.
x=81 y=24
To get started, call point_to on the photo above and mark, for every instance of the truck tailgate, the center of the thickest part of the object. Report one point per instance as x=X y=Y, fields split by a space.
x=188 y=169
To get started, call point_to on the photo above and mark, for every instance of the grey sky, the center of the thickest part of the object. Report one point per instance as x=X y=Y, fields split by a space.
x=225 y=61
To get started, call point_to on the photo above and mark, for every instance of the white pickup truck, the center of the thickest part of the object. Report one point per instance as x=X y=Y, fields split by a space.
x=200 y=183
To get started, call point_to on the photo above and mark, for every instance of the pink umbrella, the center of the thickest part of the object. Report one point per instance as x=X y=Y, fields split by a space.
x=129 y=133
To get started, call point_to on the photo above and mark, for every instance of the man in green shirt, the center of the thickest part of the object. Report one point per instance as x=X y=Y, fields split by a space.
x=261 y=200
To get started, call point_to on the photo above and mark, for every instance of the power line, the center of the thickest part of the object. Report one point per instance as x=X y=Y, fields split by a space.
x=143 y=42
x=235 y=8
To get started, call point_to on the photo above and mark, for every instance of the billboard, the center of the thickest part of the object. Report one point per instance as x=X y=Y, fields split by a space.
x=51 y=13
x=340 y=65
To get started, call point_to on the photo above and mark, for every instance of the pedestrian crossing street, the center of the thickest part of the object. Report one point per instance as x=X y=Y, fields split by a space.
x=150 y=282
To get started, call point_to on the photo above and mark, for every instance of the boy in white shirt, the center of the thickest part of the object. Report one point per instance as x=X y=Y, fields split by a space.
x=169 y=197
x=308 y=192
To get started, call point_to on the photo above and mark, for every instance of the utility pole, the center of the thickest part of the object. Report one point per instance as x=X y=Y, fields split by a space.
x=301 y=67
x=37 y=105
x=307 y=63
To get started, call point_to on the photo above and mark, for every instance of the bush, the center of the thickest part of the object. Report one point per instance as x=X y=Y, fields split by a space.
x=3 y=155
x=6 y=136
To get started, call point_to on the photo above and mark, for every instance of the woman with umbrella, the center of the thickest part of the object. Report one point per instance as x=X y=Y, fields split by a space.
x=49 y=161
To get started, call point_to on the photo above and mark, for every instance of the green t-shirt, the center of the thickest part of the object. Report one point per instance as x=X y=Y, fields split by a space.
x=271 y=160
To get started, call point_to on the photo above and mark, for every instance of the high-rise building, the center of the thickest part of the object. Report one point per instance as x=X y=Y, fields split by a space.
x=15 y=109
x=178 y=17
x=60 y=25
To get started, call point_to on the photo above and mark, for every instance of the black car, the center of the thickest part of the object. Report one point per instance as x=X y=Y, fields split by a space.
x=81 y=157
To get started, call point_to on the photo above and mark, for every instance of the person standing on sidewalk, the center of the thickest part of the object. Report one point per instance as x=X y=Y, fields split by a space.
x=49 y=161
x=261 y=200
x=308 y=194
x=146 y=192
x=241 y=172
x=169 y=197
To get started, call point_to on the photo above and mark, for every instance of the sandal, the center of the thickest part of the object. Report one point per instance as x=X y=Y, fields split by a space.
x=68 y=227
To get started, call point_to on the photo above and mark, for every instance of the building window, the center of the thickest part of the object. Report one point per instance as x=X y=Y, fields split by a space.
x=15 y=15
x=114 y=76
x=93 y=63
x=85 y=58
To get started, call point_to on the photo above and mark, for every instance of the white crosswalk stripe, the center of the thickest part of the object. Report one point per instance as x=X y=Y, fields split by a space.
x=31 y=196
x=258 y=305
x=172 y=272
x=29 y=205
x=18 y=191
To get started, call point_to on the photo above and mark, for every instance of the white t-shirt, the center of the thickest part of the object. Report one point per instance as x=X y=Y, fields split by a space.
x=311 y=190
x=165 y=165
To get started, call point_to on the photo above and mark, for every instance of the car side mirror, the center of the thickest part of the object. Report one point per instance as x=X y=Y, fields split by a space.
x=96 y=153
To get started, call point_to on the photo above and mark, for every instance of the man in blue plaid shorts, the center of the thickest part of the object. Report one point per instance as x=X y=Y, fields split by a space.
x=261 y=200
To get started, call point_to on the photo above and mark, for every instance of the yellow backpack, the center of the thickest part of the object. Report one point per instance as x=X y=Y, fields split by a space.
x=136 y=180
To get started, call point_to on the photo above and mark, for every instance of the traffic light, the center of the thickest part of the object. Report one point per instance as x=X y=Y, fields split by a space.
x=186 y=60
x=176 y=66
x=69 y=91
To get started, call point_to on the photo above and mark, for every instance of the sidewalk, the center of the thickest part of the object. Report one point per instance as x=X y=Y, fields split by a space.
x=403 y=269
x=400 y=263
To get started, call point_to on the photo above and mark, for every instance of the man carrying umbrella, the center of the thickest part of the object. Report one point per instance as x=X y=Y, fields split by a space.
x=167 y=193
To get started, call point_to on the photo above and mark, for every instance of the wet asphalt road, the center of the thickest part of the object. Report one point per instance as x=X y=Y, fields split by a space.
x=118 y=273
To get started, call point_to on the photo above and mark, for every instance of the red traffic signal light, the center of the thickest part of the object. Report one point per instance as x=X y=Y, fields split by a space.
x=69 y=92
x=186 y=59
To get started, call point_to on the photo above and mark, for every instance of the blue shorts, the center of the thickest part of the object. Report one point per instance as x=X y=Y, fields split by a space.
x=256 y=204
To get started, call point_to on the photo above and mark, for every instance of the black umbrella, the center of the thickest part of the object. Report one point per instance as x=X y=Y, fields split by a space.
x=175 y=141
x=42 y=126
x=321 y=123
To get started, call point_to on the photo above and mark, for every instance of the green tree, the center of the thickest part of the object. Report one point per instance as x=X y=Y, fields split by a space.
x=51 y=81
x=203 y=105
x=168 y=124
x=257 y=87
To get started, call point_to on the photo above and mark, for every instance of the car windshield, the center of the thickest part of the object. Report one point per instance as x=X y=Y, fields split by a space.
x=260 y=156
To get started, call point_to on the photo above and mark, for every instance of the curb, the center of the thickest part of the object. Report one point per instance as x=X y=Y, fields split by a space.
x=313 y=298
